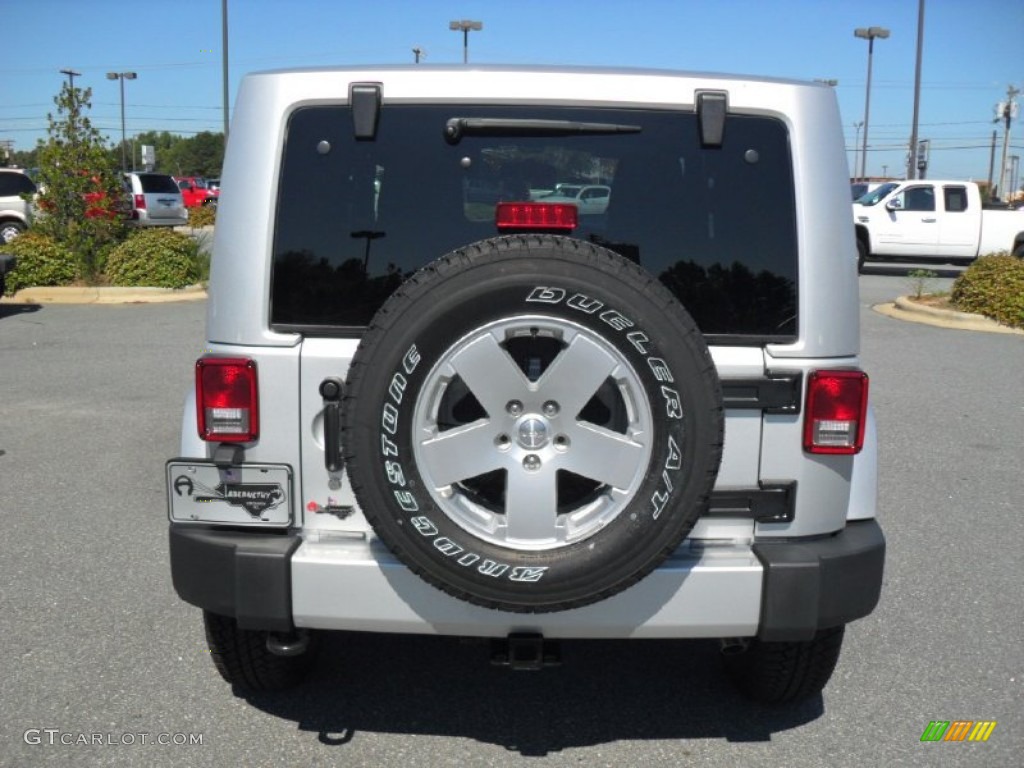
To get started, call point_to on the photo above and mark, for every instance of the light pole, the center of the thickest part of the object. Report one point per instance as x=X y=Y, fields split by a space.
x=121 y=77
x=465 y=27
x=224 y=62
x=869 y=34
x=856 y=148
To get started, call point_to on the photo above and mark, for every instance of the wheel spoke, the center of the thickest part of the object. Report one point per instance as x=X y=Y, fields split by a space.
x=576 y=374
x=461 y=453
x=531 y=505
x=490 y=374
x=604 y=456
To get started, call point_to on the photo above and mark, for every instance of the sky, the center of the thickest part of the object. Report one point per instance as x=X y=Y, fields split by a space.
x=972 y=51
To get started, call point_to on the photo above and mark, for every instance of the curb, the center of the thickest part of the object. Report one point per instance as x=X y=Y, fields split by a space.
x=905 y=309
x=108 y=295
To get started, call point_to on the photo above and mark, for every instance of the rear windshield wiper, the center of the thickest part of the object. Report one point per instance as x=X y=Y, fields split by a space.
x=457 y=127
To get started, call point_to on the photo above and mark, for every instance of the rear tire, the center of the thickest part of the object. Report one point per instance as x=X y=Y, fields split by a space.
x=242 y=658
x=862 y=255
x=785 y=672
x=10 y=230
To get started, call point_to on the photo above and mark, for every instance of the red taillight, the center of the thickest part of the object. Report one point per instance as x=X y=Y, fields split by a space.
x=837 y=405
x=140 y=201
x=226 y=403
x=548 y=216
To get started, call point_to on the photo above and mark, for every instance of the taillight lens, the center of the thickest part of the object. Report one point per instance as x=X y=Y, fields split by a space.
x=140 y=202
x=837 y=405
x=546 y=216
x=226 y=399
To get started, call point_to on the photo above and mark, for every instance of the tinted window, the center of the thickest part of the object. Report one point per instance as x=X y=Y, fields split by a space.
x=355 y=218
x=155 y=183
x=14 y=184
x=918 y=199
x=955 y=198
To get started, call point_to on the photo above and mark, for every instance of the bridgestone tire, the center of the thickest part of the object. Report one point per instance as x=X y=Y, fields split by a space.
x=242 y=658
x=532 y=423
x=786 y=672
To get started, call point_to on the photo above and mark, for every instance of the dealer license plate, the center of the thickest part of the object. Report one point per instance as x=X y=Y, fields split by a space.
x=247 y=494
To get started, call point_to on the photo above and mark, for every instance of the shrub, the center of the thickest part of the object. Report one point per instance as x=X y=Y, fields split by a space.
x=155 y=257
x=41 y=261
x=202 y=216
x=993 y=286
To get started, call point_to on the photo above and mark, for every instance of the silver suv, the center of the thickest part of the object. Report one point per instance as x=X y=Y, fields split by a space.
x=428 y=411
x=155 y=200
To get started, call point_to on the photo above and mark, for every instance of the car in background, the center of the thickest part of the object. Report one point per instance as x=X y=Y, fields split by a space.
x=155 y=200
x=860 y=188
x=213 y=185
x=16 y=189
x=195 y=191
x=588 y=198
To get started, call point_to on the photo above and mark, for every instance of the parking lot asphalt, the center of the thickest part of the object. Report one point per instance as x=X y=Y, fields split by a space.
x=96 y=643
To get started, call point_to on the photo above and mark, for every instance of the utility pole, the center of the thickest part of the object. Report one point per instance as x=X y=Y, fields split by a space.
x=991 y=163
x=71 y=76
x=917 y=93
x=1009 y=111
x=418 y=52
x=73 y=115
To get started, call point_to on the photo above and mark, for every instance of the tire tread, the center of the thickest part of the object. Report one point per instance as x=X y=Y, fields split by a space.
x=241 y=657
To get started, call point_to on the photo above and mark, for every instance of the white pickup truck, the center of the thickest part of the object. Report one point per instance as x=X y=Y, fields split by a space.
x=933 y=220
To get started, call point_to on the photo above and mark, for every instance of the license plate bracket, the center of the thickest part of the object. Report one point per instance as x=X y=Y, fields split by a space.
x=239 y=494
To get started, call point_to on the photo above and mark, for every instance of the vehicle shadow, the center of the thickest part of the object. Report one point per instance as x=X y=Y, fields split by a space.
x=10 y=310
x=904 y=270
x=605 y=691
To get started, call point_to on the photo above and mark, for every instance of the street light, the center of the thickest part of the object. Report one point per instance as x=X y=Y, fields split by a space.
x=122 y=76
x=856 y=147
x=465 y=27
x=869 y=34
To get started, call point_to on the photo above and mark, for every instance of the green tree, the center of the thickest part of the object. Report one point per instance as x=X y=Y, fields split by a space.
x=199 y=155
x=24 y=158
x=81 y=194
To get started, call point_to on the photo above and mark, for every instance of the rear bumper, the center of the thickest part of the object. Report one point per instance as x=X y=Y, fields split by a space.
x=776 y=590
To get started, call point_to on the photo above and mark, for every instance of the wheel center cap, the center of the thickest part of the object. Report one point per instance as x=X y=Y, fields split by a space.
x=533 y=433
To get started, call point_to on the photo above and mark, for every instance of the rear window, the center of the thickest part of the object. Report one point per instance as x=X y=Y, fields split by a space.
x=716 y=225
x=14 y=184
x=155 y=183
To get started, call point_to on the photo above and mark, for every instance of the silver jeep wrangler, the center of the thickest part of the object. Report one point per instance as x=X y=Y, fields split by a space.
x=439 y=397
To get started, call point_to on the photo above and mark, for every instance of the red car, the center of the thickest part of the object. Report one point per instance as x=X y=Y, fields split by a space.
x=195 y=191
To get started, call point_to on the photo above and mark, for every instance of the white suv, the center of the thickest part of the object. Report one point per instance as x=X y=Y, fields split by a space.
x=16 y=193
x=422 y=410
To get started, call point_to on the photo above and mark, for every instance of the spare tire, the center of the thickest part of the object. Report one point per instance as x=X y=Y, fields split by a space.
x=532 y=423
